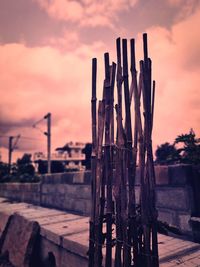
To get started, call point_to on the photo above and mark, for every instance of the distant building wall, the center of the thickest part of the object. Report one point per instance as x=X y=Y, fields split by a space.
x=71 y=191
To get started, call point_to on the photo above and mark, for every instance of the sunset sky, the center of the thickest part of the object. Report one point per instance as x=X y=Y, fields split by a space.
x=46 y=47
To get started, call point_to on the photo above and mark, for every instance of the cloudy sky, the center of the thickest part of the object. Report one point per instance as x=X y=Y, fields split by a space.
x=46 y=47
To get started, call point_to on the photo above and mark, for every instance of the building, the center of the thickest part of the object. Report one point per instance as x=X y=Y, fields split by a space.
x=70 y=155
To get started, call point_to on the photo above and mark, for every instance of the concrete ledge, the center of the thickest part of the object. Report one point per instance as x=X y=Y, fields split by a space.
x=65 y=236
x=82 y=177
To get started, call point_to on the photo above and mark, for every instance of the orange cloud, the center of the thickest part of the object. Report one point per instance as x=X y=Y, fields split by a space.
x=176 y=68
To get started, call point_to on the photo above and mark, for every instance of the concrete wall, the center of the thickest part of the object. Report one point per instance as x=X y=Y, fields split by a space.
x=65 y=191
x=71 y=191
x=174 y=193
x=25 y=192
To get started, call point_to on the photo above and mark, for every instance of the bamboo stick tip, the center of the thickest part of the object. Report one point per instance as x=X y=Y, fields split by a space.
x=106 y=59
x=113 y=63
x=144 y=35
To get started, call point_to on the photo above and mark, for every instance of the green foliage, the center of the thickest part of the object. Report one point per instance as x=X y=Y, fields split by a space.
x=23 y=171
x=24 y=165
x=87 y=150
x=4 y=169
x=167 y=154
x=188 y=150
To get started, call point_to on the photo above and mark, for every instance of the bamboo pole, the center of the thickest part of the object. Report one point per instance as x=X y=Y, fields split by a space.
x=130 y=175
x=112 y=85
x=119 y=160
x=118 y=190
x=108 y=164
x=136 y=229
x=133 y=225
x=99 y=204
x=119 y=75
x=150 y=226
x=152 y=106
x=93 y=165
x=145 y=187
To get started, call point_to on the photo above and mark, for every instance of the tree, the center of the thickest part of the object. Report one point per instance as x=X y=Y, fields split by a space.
x=4 y=169
x=87 y=150
x=24 y=165
x=190 y=150
x=21 y=171
x=167 y=154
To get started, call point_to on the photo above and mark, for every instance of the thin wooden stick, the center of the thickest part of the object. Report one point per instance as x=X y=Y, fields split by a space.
x=108 y=165
x=119 y=78
x=119 y=158
x=153 y=101
x=93 y=165
x=133 y=226
x=99 y=208
x=94 y=100
x=145 y=48
x=112 y=85
x=144 y=182
x=150 y=228
x=119 y=194
x=131 y=177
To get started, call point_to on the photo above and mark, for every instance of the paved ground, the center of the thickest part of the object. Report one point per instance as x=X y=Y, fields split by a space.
x=71 y=231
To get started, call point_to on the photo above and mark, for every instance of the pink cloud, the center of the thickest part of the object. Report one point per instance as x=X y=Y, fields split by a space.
x=38 y=80
x=185 y=7
x=86 y=12
x=57 y=79
x=176 y=68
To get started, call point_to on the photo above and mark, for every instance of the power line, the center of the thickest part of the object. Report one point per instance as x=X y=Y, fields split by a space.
x=23 y=137
x=31 y=138
x=16 y=141
x=7 y=136
x=37 y=122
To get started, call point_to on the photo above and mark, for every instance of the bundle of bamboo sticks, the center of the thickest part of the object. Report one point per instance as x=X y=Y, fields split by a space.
x=123 y=232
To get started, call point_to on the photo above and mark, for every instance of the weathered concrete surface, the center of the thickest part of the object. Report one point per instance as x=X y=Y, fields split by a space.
x=66 y=236
x=19 y=237
x=3 y=221
x=55 y=232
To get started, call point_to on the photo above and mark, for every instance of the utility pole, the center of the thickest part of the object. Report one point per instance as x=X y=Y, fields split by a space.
x=10 y=150
x=48 y=134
